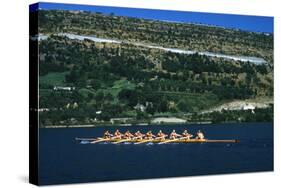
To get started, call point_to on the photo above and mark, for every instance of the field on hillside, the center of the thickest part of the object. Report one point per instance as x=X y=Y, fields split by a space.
x=95 y=67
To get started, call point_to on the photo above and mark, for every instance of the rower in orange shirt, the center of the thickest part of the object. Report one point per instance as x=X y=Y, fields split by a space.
x=162 y=136
x=149 y=135
x=128 y=135
x=186 y=135
x=138 y=135
x=118 y=134
x=174 y=135
x=107 y=135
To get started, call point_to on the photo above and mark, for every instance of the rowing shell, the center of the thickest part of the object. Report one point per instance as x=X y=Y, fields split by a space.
x=116 y=141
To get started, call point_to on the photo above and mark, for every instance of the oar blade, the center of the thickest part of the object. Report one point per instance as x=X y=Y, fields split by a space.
x=167 y=141
x=121 y=141
x=84 y=139
x=100 y=140
x=144 y=141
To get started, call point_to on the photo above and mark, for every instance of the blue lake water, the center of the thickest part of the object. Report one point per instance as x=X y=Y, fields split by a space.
x=64 y=160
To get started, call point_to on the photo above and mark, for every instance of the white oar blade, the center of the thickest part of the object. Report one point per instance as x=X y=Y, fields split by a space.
x=84 y=139
x=120 y=141
x=101 y=140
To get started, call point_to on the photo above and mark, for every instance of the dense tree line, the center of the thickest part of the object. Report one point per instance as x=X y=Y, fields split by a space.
x=257 y=115
x=179 y=35
x=163 y=82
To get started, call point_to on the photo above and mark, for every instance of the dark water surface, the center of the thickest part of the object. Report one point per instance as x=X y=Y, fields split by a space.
x=64 y=160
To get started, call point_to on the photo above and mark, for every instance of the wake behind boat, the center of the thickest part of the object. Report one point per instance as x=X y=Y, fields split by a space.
x=160 y=138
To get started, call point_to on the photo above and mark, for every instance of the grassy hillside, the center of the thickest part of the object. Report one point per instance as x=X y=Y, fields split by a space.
x=179 y=35
x=115 y=80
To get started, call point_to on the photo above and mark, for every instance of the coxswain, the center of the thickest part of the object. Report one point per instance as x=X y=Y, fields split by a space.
x=117 y=134
x=128 y=135
x=186 y=135
x=107 y=135
x=174 y=135
x=161 y=135
x=200 y=135
x=149 y=135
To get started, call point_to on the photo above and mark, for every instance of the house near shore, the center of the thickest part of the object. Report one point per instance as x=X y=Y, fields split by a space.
x=73 y=106
x=249 y=107
x=140 y=107
x=120 y=120
x=167 y=120
x=62 y=88
x=98 y=112
x=43 y=110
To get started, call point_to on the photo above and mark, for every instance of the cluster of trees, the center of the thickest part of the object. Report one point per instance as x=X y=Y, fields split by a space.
x=258 y=115
x=179 y=35
x=175 y=62
x=164 y=82
x=50 y=66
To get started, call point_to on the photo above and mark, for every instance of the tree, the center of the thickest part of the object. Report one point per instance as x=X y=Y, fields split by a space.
x=183 y=106
x=141 y=115
x=150 y=109
x=163 y=105
x=99 y=96
x=128 y=95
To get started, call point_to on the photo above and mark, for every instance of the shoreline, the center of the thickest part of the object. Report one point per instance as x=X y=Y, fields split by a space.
x=123 y=125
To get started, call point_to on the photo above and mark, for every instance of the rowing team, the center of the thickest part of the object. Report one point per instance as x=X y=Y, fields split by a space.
x=149 y=135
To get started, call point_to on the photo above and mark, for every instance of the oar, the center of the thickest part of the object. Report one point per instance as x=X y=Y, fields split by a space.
x=145 y=141
x=169 y=141
x=100 y=140
x=120 y=141
x=105 y=139
x=86 y=139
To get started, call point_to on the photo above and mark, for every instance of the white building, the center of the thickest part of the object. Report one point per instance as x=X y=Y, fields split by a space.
x=61 y=88
x=140 y=107
x=98 y=112
x=120 y=120
x=248 y=107
x=168 y=120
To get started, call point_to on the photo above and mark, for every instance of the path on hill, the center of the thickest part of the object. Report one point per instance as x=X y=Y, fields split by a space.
x=255 y=60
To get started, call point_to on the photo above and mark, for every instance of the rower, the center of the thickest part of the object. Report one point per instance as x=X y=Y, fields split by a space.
x=200 y=135
x=138 y=135
x=161 y=135
x=117 y=134
x=186 y=135
x=174 y=135
x=149 y=135
x=128 y=135
x=107 y=135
